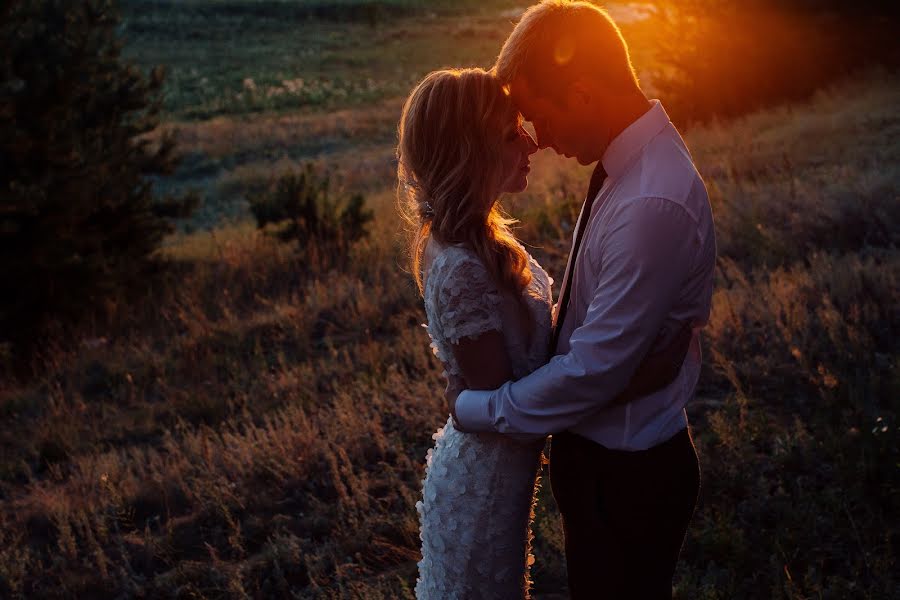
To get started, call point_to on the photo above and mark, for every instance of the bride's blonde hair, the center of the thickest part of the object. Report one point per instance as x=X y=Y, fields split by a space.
x=449 y=172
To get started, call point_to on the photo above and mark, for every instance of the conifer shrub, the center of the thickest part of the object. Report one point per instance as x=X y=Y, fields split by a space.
x=299 y=208
x=79 y=223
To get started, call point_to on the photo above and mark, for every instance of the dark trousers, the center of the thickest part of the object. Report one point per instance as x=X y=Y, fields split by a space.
x=625 y=514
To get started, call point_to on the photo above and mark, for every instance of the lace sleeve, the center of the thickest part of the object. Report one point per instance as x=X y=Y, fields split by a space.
x=468 y=301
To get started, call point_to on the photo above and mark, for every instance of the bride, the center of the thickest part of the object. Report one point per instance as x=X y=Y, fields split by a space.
x=488 y=305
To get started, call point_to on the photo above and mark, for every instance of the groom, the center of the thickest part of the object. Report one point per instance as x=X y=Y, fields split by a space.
x=625 y=475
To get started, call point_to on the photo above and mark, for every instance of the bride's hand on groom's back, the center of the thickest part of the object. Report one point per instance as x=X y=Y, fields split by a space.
x=659 y=368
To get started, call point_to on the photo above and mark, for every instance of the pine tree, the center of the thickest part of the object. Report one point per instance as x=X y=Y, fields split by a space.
x=79 y=223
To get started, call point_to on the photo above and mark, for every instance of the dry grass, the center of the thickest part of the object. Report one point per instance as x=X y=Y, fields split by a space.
x=259 y=429
x=221 y=136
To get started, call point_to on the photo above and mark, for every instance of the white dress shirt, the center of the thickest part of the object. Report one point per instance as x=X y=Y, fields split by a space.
x=645 y=266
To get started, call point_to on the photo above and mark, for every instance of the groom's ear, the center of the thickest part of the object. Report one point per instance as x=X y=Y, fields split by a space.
x=580 y=94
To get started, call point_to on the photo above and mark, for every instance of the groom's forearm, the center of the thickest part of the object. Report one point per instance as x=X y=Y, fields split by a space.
x=475 y=410
x=474 y=414
x=532 y=405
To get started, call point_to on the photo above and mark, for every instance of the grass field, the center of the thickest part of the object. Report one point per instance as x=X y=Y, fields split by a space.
x=239 y=57
x=258 y=87
x=259 y=430
x=251 y=90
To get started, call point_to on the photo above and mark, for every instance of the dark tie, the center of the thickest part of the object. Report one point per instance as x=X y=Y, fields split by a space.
x=597 y=179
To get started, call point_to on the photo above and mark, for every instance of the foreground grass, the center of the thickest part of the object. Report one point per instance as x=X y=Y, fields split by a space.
x=259 y=429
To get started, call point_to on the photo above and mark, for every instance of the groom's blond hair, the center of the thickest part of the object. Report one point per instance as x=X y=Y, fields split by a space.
x=557 y=41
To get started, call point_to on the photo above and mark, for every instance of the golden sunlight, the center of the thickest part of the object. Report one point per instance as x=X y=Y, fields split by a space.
x=564 y=50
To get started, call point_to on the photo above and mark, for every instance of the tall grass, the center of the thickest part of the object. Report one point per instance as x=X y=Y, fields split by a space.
x=259 y=429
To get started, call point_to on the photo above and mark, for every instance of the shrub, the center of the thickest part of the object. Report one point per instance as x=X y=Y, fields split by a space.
x=79 y=224
x=302 y=210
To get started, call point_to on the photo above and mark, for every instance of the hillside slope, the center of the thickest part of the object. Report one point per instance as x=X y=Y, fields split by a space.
x=261 y=430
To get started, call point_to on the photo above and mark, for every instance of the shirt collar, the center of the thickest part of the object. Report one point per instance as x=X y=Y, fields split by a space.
x=626 y=145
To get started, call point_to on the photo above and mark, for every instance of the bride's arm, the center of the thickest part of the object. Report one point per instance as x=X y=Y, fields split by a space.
x=485 y=365
x=483 y=361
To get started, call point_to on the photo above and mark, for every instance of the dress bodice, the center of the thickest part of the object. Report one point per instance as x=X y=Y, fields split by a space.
x=461 y=300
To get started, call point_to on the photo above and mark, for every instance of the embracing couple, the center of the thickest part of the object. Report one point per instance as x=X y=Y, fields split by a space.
x=609 y=369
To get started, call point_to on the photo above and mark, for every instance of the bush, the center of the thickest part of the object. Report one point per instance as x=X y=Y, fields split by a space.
x=79 y=224
x=301 y=209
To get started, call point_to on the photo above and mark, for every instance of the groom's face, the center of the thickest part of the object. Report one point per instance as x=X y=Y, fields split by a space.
x=556 y=126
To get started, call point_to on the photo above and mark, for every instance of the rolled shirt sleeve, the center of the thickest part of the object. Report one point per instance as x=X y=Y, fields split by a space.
x=645 y=253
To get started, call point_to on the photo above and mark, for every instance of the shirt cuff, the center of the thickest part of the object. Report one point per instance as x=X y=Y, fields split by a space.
x=473 y=411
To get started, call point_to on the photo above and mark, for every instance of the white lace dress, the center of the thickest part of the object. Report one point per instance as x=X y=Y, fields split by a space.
x=477 y=494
